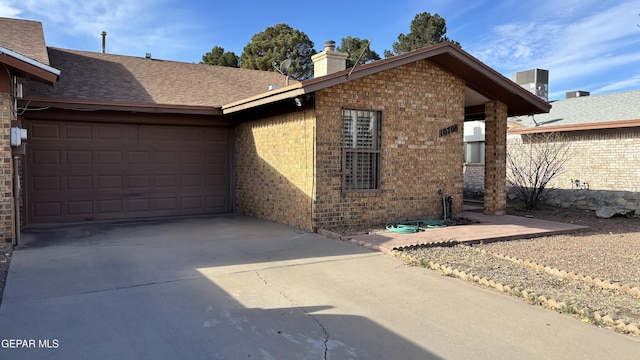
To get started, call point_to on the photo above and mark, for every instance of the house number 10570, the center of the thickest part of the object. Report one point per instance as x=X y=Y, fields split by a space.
x=449 y=130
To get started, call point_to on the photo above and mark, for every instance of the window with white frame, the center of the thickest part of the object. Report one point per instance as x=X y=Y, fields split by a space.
x=474 y=152
x=361 y=150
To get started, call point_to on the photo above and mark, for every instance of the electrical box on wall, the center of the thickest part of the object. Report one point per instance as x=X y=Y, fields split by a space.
x=17 y=136
x=17 y=88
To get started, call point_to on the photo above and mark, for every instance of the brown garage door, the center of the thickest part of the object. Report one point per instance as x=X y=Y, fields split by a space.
x=83 y=171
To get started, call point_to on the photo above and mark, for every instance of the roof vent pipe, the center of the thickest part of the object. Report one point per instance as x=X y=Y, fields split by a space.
x=577 y=93
x=329 y=45
x=104 y=40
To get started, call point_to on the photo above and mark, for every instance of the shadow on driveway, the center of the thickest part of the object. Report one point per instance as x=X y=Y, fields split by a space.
x=196 y=288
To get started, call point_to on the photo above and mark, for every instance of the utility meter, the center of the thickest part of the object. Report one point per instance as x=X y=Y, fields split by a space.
x=17 y=136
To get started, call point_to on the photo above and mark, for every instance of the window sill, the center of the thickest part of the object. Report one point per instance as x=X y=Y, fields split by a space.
x=361 y=193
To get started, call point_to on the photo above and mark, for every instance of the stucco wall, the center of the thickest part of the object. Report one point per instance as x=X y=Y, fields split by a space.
x=274 y=168
x=416 y=101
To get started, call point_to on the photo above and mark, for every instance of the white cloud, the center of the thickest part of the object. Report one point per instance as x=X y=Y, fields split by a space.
x=573 y=40
x=7 y=9
x=633 y=82
x=133 y=27
x=83 y=16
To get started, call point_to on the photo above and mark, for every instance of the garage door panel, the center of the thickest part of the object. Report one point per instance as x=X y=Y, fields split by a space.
x=107 y=132
x=138 y=181
x=137 y=205
x=48 y=209
x=47 y=183
x=45 y=157
x=166 y=181
x=217 y=202
x=79 y=157
x=191 y=203
x=192 y=135
x=216 y=159
x=167 y=203
x=190 y=180
x=167 y=158
x=138 y=158
x=217 y=136
x=192 y=157
x=110 y=157
x=77 y=132
x=79 y=182
x=78 y=171
x=109 y=206
x=44 y=131
x=216 y=180
x=164 y=134
x=82 y=209
x=109 y=182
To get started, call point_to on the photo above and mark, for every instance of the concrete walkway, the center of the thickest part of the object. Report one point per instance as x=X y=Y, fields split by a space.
x=487 y=228
x=234 y=287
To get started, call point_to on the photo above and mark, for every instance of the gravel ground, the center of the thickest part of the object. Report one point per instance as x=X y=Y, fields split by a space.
x=610 y=251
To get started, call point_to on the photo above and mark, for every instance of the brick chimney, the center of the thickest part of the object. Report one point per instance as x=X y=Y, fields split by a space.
x=329 y=61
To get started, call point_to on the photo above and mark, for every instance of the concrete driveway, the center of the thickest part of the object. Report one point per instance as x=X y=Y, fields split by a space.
x=234 y=287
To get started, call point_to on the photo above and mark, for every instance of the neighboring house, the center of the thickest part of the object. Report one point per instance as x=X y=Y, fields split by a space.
x=126 y=137
x=474 y=153
x=474 y=148
x=604 y=136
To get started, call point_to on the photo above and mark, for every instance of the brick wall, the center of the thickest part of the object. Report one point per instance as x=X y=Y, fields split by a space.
x=605 y=159
x=474 y=176
x=275 y=155
x=495 y=189
x=416 y=101
x=274 y=168
x=6 y=169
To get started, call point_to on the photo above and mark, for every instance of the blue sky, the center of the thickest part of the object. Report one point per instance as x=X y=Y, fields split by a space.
x=591 y=45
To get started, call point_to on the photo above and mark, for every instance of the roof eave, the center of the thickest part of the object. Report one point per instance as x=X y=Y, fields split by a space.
x=287 y=92
x=29 y=68
x=89 y=105
x=577 y=127
x=447 y=56
x=452 y=59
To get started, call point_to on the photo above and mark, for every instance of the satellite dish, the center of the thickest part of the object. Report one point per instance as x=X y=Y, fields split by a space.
x=284 y=66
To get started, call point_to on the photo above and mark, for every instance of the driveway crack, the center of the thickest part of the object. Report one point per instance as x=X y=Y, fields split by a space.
x=325 y=342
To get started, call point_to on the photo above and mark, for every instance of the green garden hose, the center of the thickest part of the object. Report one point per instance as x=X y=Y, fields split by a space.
x=414 y=226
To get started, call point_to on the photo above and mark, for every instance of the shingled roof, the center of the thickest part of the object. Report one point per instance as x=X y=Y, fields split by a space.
x=585 y=113
x=23 y=51
x=24 y=37
x=99 y=79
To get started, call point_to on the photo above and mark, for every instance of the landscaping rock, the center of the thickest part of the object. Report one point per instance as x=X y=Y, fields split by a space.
x=606 y=212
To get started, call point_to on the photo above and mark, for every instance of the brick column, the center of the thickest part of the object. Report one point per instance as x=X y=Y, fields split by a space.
x=6 y=169
x=495 y=185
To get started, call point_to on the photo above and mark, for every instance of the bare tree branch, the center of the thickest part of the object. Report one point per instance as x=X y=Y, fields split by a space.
x=533 y=163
